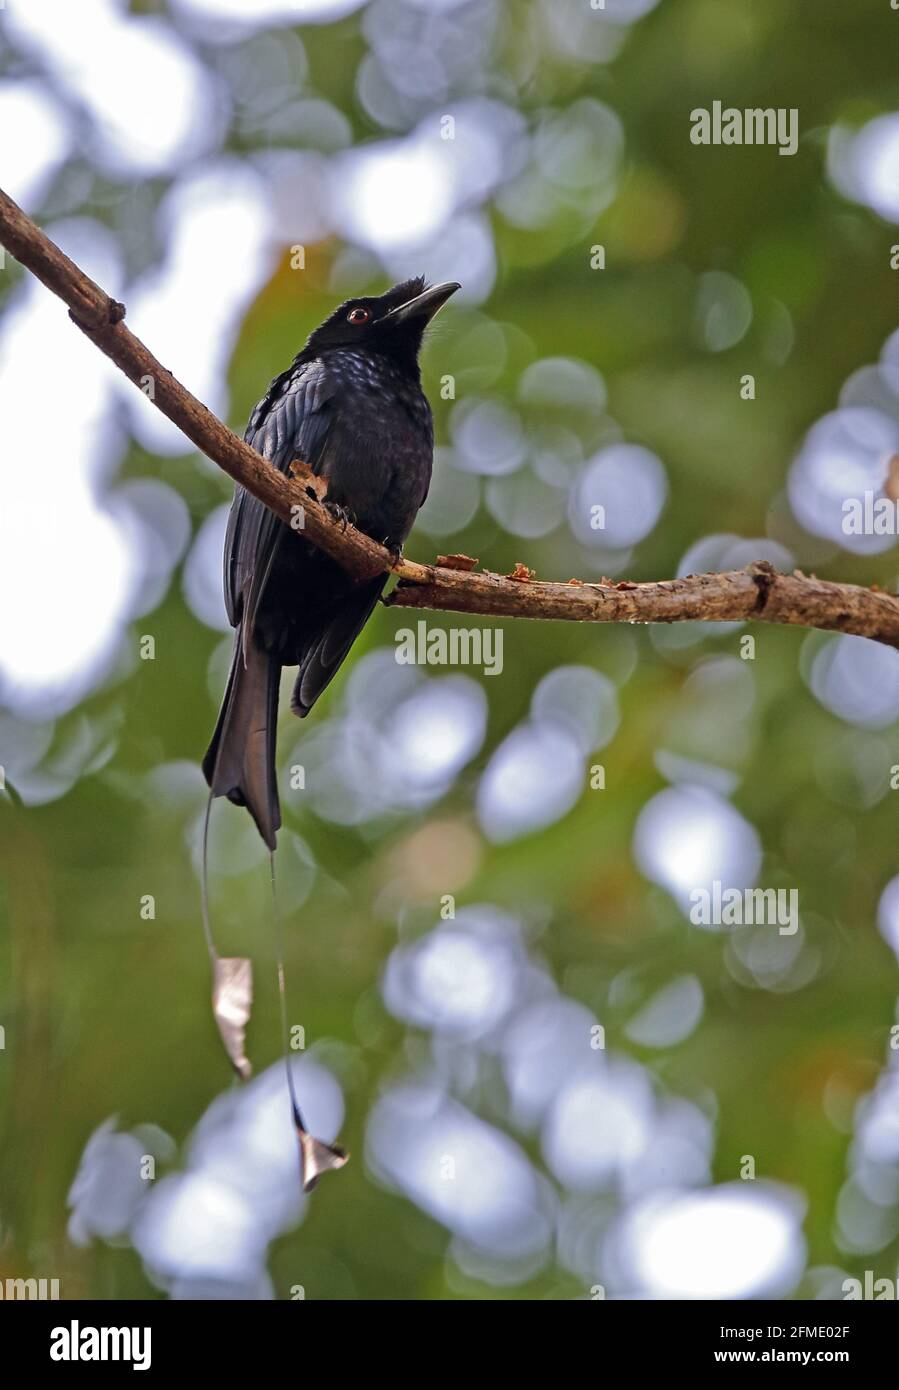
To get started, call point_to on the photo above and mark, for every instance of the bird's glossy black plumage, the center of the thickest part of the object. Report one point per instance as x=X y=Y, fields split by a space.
x=351 y=407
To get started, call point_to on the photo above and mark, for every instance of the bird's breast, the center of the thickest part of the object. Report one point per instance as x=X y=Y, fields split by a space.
x=377 y=461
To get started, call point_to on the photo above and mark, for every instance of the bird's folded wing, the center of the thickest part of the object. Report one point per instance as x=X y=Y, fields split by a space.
x=328 y=643
x=291 y=421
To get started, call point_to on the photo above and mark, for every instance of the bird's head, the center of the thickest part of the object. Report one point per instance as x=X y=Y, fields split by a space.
x=391 y=323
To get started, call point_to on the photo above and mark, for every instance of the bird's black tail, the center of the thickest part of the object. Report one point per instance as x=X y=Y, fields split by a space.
x=240 y=760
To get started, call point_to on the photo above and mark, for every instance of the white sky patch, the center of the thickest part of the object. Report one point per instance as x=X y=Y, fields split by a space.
x=108 y=1188
x=598 y=1125
x=533 y=778
x=239 y=17
x=448 y=982
x=544 y=1048
x=413 y=195
x=153 y=104
x=441 y=728
x=57 y=545
x=462 y=250
x=468 y=1175
x=161 y=517
x=488 y=437
x=844 y=455
x=888 y=914
x=460 y=979
x=670 y=1015
x=864 y=165
x=618 y=497
x=565 y=383
x=41 y=145
x=202 y=582
x=199 y=1226
x=392 y=195
x=857 y=680
x=213 y=1219
x=733 y=1241
x=686 y=838
x=246 y=1139
x=219 y=252
x=398 y=744
x=580 y=700
x=437 y=5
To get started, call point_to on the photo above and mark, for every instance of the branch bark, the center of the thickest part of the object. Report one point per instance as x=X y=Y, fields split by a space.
x=757 y=593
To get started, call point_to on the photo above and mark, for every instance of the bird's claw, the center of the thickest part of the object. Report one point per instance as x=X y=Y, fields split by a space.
x=339 y=513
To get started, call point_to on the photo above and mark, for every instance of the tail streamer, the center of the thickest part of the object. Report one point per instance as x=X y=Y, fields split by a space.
x=315 y=1156
x=232 y=978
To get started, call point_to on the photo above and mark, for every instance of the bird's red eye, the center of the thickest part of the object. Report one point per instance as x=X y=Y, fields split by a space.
x=358 y=316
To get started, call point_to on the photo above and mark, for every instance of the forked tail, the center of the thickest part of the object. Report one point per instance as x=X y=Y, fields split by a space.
x=240 y=760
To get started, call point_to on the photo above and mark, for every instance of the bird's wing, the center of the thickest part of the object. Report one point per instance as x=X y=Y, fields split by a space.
x=327 y=644
x=290 y=422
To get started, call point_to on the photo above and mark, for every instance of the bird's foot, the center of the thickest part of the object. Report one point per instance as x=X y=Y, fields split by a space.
x=394 y=551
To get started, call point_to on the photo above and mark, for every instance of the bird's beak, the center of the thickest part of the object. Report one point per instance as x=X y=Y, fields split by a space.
x=424 y=305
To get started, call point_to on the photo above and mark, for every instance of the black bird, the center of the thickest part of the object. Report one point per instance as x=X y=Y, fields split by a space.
x=352 y=408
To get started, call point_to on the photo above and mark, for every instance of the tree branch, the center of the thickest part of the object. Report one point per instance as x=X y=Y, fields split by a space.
x=757 y=593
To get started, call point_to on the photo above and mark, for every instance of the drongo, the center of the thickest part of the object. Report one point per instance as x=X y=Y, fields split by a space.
x=350 y=406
